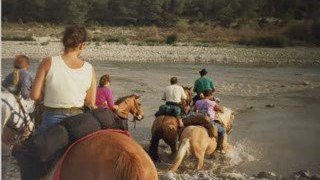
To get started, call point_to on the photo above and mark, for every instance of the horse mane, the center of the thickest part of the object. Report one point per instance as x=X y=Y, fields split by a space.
x=121 y=99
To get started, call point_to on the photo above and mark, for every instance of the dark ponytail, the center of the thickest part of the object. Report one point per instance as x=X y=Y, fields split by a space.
x=73 y=36
x=104 y=80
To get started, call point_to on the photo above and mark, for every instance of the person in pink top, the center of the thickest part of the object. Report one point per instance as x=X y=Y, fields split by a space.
x=104 y=98
x=208 y=107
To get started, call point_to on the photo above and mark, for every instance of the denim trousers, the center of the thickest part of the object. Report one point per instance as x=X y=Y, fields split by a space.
x=50 y=119
x=221 y=130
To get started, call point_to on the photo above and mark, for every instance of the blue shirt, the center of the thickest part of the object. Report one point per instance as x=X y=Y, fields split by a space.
x=23 y=86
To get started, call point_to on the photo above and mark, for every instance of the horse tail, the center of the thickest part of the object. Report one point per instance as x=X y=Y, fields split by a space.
x=128 y=167
x=183 y=149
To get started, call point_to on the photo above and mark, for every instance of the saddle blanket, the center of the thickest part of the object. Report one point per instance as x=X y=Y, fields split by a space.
x=38 y=153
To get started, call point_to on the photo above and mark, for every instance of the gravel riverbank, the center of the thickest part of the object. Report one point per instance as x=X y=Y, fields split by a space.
x=190 y=54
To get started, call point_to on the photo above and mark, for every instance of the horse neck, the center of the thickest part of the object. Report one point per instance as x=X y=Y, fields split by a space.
x=225 y=117
x=124 y=109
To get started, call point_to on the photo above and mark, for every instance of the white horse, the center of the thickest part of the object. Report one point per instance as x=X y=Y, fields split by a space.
x=195 y=140
x=16 y=124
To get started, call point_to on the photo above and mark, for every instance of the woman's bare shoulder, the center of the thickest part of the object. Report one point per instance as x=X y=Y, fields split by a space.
x=45 y=63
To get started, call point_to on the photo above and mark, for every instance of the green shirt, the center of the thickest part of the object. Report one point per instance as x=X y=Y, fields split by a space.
x=202 y=84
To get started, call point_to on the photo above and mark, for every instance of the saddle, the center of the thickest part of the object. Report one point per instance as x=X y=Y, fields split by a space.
x=37 y=154
x=167 y=110
x=198 y=119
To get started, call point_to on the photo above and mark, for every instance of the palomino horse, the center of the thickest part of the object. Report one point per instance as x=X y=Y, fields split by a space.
x=15 y=122
x=167 y=128
x=195 y=140
x=112 y=155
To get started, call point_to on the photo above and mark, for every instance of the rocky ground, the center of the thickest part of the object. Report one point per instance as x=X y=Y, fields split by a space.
x=134 y=53
x=300 y=175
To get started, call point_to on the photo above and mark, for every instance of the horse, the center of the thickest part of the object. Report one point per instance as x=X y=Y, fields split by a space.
x=130 y=105
x=166 y=127
x=16 y=124
x=195 y=140
x=111 y=155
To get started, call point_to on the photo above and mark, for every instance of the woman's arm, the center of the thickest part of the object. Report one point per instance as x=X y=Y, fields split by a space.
x=90 y=99
x=110 y=99
x=218 y=107
x=38 y=84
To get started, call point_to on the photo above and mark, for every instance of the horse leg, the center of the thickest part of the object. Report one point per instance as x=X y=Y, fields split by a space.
x=173 y=146
x=212 y=146
x=153 y=149
x=199 y=153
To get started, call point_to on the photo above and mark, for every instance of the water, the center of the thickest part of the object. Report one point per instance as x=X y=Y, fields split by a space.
x=282 y=139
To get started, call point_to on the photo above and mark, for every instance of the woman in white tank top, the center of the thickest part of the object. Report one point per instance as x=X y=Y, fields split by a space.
x=65 y=83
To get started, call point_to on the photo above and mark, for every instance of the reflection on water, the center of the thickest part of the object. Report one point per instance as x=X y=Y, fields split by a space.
x=282 y=139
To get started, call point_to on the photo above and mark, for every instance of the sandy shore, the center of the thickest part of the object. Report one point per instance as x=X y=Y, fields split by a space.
x=133 y=53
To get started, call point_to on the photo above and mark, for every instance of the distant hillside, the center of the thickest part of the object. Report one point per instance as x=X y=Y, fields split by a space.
x=157 y=12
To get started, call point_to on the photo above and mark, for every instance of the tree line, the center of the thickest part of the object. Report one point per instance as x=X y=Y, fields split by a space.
x=158 y=12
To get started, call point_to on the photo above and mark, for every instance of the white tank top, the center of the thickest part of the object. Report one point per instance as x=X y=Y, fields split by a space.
x=66 y=87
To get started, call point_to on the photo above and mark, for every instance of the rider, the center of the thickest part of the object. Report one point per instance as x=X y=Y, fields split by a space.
x=19 y=82
x=202 y=84
x=208 y=107
x=66 y=83
x=104 y=97
x=173 y=94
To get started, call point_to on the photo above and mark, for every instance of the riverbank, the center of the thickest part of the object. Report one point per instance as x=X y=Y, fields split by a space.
x=116 y=52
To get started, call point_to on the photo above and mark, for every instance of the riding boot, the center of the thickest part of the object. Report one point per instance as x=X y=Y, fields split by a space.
x=220 y=143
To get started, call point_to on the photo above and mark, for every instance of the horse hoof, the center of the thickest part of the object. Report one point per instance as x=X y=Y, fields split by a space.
x=169 y=176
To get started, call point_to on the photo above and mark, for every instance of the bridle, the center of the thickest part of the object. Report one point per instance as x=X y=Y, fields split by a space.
x=124 y=114
x=21 y=114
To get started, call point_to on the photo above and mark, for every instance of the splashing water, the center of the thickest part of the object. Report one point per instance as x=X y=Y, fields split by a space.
x=218 y=166
x=240 y=153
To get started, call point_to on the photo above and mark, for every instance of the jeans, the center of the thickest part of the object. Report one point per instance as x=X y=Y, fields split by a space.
x=51 y=119
x=221 y=130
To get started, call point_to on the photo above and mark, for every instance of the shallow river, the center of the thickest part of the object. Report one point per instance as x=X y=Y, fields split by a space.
x=282 y=139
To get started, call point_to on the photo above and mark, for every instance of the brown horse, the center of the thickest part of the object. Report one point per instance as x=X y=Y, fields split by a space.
x=195 y=140
x=111 y=156
x=130 y=105
x=167 y=128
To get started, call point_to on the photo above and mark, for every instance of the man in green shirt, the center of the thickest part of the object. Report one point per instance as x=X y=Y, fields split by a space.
x=202 y=84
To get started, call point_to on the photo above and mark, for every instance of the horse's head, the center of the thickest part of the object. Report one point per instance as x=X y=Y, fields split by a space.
x=16 y=123
x=186 y=103
x=130 y=105
x=227 y=118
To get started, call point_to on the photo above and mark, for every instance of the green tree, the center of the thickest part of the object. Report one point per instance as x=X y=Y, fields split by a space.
x=98 y=10
x=76 y=11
